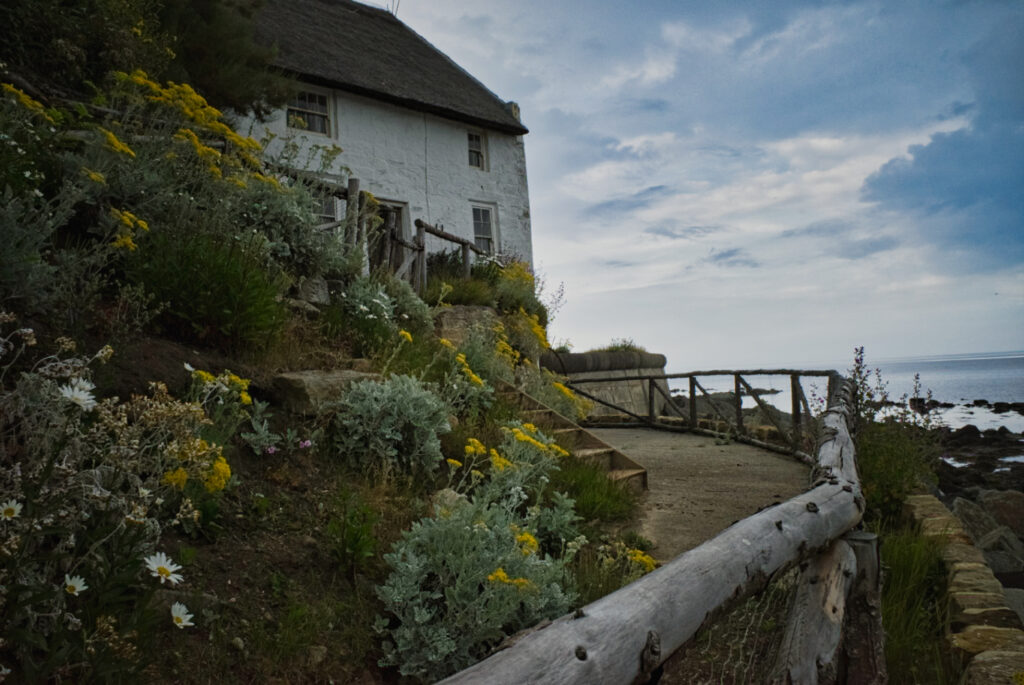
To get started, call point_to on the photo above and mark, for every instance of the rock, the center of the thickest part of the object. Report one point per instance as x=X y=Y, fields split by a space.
x=994 y=666
x=302 y=307
x=976 y=520
x=314 y=290
x=238 y=643
x=977 y=639
x=303 y=392
x=1003 y=551
x=967 y=434
x=1000 y=407
x=980 y=403
x=1015 y=600
x=455 y=323
x=1006 y=507
x=317 y=654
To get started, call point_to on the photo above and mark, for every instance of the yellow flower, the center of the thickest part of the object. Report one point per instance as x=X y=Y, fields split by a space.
x=523 y=437
x=641 y=559
x=244 y=398
x=500 y=576
x=177 y=478
x=474 y=446
x=238 y=381
x=454 y=463
x=124 y=241
x=27 y=102
x=528 y=542
x=405 y=335
x=204 y=376
x=558 y=450
x=220 y=474
x=564 y=390
x=447 y=343
x=116 y=145
x=499 y=462
x=530 y=427
x=476 y=474
x=94 y=176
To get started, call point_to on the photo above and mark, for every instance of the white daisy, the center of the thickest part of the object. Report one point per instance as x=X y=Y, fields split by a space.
x=74 y=584
x=161 y=566
x=10 y=509
x=180 y=615
x=79 y=391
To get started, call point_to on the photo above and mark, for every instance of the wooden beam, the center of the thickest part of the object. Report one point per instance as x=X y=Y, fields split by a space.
x=794 y=388
x=693 y=401
x=352 y=212
x=738 y=396
x=606 y=641
x=766 y=409
x=864 y=638
x=810 y=649
x=711 y=401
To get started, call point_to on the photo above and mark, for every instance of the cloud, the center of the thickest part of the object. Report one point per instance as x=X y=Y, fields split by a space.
x=731 y=257
x=965 y=186
x=682 y=232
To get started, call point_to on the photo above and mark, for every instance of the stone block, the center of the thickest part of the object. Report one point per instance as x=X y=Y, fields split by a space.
x=977 y=639
x=973 y=578
x=314 y=290
x=959 y=552
x=994 y=666
x=304 y=392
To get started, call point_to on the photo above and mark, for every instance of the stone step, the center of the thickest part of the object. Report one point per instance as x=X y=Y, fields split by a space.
x=634 y=479
x=575 y=438
x=601 y=457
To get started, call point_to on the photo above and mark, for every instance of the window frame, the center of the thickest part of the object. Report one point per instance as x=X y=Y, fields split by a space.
x=298 y=109
x=492 y=224
x=481 y=150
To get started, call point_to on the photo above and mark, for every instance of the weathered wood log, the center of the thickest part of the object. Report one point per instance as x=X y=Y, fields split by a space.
x=768 y=412
x=450 y=237
x=420 y=272
x=352 y=212
x=864 y=638
x=714 y=406
x=794 y=388
x=810 y=649
x=693 y=401
x=608 y=642
x=738 y=397
x=726 y=372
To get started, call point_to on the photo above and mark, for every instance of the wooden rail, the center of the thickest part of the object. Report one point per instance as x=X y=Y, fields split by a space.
x=731 y=416
x=627 y=635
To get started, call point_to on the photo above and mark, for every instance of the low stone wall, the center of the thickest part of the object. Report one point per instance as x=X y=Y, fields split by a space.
x=981 y=629
x=631 y=395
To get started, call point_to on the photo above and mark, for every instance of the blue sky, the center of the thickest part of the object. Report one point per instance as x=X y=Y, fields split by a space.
x=746 y=183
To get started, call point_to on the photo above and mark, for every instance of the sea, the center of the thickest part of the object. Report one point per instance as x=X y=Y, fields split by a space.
x=959 y=379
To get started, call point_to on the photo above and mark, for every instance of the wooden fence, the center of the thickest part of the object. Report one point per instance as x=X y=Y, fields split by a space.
x=404 y=258
x=731 y=416
x=834 y=628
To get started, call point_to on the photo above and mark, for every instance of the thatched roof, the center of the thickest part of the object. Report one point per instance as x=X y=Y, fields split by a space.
x=367 y=51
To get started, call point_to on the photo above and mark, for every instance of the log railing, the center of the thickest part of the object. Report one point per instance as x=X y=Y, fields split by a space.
x=627 y=635
x=731 y=416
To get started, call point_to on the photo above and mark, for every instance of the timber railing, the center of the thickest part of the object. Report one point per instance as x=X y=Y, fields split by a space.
x=626 y=636
x=731 y=415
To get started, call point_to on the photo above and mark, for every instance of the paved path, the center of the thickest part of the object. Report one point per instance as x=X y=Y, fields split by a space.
x=698 y=488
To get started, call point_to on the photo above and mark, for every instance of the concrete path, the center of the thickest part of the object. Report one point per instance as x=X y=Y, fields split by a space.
x=698 y=488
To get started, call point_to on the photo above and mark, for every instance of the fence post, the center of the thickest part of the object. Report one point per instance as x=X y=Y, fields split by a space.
x=467 y=267
x=794 y=387
x=864 y=644
x=693 y=403
x=737 y=389
x=352 y=212
x=421 y=259
x=650 y=400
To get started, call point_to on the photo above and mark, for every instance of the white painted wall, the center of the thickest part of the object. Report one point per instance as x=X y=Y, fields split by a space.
x=421 y=161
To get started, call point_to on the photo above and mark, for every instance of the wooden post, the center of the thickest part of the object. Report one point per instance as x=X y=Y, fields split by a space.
x=693 y=402
x=352 y=211
x=467 y=267
x=650 y=400
x=794 y=386
x=363 y=238
x=864 y=639
x=421 y=259
x=737 y=390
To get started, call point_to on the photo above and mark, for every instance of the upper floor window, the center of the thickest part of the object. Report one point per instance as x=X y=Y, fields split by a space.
x=483 y=229
x=478 y=151
x=309 y=111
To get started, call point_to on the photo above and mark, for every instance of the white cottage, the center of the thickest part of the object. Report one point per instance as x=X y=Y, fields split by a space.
x=426 y=138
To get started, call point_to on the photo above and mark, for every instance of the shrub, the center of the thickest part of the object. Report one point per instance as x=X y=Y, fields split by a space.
x=364 y=316
x=387 y=430
x=215 y=292
x=86 y=487
x=597 y=497
x=411 y=313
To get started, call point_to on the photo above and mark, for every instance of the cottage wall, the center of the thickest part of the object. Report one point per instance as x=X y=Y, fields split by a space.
x=420 y=161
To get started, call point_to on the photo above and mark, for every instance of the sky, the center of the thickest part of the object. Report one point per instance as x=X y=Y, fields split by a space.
x=737 y=184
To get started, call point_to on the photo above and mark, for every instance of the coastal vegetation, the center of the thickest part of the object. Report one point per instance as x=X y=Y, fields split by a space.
x=163 y=517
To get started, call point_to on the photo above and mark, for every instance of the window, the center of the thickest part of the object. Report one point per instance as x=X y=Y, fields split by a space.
x=477 y=152
x=483 y=229
x=308 y=111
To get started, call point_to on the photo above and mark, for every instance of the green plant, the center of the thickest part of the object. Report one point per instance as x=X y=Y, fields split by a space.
x=364 y=316
x=600 y=569
x=597 y=497
x=387 y=430
x=620 y=345
x=216 y=292
x=350 y=538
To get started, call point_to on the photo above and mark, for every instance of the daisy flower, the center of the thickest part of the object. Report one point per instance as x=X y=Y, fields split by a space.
x=74 y=584
x=10 y=509
x=180 y=615
x=79 y=391
x=161 y=566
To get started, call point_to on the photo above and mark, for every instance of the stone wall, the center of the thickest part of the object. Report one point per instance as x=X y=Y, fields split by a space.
x=631 y=395
x=981 y=628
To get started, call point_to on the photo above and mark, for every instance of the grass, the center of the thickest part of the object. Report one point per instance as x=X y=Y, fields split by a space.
x=597 y=497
